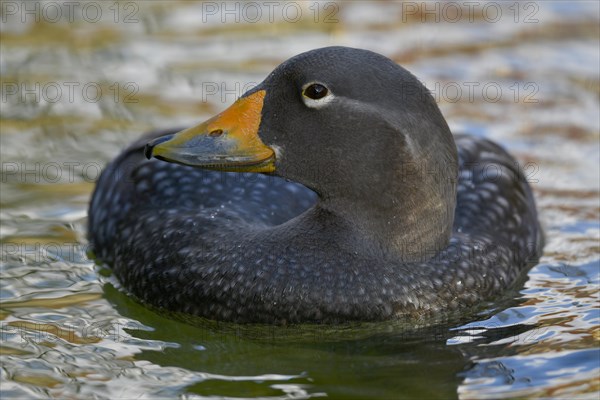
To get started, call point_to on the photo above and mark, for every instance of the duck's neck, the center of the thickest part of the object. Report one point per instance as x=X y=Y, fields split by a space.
x=408 y=218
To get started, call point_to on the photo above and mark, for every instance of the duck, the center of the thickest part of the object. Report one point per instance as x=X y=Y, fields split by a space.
x=333 y=191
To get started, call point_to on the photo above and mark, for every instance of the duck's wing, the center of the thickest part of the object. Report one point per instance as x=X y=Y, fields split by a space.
x=494 y=197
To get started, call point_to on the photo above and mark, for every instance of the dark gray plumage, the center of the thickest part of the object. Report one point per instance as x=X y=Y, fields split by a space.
x=403 y=219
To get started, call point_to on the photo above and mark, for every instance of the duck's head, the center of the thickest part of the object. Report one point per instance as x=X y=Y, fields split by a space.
x=329 y=118
x=348 y=123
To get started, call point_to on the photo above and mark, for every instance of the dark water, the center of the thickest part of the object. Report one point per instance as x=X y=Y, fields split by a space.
x=75 y=90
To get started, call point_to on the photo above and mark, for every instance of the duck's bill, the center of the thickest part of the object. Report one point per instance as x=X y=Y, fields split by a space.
x=227 y=142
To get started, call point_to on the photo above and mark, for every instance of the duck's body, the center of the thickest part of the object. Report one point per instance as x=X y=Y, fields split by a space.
x=383 y=238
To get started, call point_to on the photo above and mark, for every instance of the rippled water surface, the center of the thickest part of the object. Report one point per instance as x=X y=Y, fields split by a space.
x=75 y=92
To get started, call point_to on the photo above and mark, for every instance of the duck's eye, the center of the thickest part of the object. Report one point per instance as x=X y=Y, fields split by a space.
x=315 y=91
x=316 y=95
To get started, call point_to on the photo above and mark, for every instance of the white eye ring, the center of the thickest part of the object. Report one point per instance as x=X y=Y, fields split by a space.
x=316 y=103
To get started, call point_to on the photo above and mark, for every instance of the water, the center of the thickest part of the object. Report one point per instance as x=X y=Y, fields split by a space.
x=74 y=93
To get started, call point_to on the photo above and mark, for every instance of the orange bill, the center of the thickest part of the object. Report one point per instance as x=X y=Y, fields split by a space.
x=228 y=141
